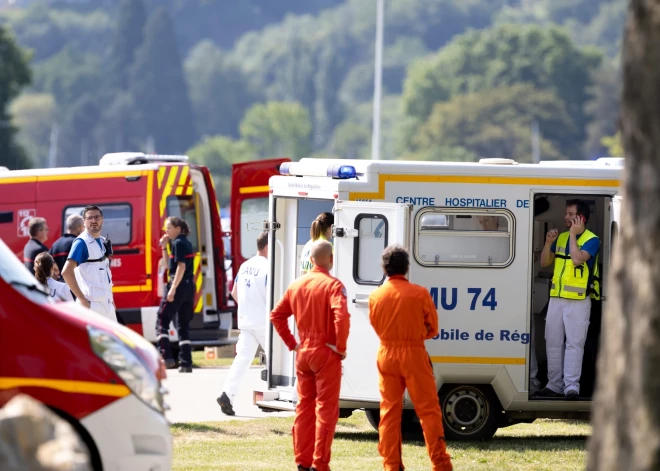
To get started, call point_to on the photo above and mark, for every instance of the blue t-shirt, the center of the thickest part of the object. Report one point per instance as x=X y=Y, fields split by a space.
x=592 y=246
x=79 y=252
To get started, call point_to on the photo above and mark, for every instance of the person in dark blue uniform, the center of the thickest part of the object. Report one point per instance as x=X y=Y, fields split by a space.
x=38 y=229
x=178 y=302
x=62 y=246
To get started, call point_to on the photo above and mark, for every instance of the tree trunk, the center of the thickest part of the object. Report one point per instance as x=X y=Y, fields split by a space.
x=626 y=412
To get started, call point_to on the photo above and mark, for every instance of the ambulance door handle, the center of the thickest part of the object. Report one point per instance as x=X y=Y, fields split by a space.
x=361 y=300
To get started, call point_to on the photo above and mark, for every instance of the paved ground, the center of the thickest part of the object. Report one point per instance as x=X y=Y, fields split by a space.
x=192 y=397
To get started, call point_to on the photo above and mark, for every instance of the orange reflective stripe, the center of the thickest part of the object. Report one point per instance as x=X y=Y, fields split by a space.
x=68 y=386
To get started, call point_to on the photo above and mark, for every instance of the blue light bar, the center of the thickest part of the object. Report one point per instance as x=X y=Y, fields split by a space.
x=342 y=171
x=284 y=168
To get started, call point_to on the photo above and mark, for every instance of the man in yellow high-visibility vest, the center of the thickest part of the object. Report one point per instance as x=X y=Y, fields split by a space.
x=574 y=283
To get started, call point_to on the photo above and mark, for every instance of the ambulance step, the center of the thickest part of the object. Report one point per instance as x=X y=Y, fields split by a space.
x=277 y=405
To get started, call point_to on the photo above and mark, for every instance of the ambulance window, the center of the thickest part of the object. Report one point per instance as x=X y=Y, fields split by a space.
x=464 y=238
x=370 y=243
x=254 y=212
x=184 y=208
x=116 y=221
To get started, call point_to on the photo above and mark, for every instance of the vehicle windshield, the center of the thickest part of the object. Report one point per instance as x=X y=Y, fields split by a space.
x=14 y=272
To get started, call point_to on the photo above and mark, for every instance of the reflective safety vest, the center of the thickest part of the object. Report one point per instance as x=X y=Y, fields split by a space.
x=306 y=263
x=570 y=281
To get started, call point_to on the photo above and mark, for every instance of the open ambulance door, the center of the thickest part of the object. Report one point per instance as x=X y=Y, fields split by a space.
x=610 y=245
x=249 y=209
x=362 y=230
x=249 y=205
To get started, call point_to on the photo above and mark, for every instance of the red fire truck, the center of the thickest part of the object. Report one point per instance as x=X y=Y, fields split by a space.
x=136 y=193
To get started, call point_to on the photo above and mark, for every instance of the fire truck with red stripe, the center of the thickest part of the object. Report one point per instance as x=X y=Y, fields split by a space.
x=136 y=192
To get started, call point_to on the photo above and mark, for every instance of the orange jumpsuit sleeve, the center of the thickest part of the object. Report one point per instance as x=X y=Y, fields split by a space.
x=341 y=315
x=280 y=316
x=430 y=316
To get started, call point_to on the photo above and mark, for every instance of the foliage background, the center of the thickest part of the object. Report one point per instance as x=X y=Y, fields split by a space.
x=233 y=81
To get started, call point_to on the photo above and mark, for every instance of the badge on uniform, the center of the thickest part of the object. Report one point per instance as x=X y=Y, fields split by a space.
x=343 y=291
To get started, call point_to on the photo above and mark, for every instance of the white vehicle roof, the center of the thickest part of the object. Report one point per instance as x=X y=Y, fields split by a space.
x=120 y=162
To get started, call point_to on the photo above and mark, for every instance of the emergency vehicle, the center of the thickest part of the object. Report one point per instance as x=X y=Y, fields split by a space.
x=102 y=378
x=475 y=232
x=136 y=192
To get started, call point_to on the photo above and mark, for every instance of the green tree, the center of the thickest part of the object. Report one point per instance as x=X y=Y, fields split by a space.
x=119 y=129
x=128 y=37
x=35 y=114
x=602 y=108
x=159 y=89
x=14 y=75
x=69 y=75
x=442 y=154
x=278 y=129
x=78 y=146
x=352 y=141
x=498 y=123
x=218 y=153
x=219 y=91
x=613 y=145
x=480 y=60
x=37 y=31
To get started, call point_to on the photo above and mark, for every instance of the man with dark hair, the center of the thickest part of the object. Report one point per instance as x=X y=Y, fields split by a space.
x=38 y=229
x=318 y=303
x=574 y=283
x=87 y=269
x=403 y=316
x=249 y=292
x=62 y=246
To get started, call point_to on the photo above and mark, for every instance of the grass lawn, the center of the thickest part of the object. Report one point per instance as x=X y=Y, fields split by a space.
x=200 y=362
x=265 y=444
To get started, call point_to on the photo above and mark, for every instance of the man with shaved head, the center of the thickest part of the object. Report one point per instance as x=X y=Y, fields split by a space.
x=75 y=225
x=318 y=303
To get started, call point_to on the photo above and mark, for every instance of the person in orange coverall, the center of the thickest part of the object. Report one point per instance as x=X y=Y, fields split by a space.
x=403 y=315
x=318 y=303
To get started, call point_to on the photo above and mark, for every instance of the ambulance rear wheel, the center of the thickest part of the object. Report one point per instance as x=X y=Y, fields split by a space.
x=409 y=423
x=469 y=412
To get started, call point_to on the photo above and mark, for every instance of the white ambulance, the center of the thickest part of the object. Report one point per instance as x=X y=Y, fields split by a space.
x=475 y=232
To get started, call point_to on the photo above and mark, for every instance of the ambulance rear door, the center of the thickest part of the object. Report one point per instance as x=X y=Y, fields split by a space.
x=361 y=233
x=610 y=241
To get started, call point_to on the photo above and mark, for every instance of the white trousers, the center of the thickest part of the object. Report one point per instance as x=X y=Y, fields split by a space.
x=105 y=308
x=567 y=319
x=248 y=342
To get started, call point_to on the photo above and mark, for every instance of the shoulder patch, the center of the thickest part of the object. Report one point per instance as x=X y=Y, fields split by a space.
x=343 y=291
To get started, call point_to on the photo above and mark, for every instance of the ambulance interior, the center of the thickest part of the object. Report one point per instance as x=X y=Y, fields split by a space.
x=549 y=213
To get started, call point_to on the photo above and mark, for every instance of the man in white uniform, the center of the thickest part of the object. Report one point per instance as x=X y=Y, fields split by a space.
x=87 y=269
x=249 y=292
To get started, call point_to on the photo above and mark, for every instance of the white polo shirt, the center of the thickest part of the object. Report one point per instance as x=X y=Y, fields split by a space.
x=251 y=286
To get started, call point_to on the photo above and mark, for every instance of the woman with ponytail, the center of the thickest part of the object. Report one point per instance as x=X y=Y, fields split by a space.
x=180 y=293
x=43 y=271
x=321 y=229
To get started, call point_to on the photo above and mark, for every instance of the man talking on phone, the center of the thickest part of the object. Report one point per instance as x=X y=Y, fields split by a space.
x=574 y=283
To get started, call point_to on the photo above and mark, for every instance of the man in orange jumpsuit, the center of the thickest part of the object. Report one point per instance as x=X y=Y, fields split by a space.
x=403 y=315
x=318 y=303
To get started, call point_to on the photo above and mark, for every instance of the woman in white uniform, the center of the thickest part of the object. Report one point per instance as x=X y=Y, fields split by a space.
x=43 y=271
x=321 y=229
